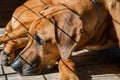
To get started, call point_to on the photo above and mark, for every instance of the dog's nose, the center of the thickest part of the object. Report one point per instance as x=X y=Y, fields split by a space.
x=17 y=65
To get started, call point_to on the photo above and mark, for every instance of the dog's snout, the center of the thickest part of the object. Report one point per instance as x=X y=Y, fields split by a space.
x=17 y=65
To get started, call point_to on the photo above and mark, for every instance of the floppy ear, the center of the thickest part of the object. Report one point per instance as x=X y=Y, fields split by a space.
x=68 y=34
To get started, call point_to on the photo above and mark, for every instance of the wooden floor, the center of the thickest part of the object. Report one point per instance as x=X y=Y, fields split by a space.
x=100 y=65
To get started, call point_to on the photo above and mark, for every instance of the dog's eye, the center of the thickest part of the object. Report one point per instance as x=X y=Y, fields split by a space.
x=38 y=39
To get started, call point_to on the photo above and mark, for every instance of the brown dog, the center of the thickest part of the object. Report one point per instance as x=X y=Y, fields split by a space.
x=65 y=28
x=19 y=25
x=79 y=33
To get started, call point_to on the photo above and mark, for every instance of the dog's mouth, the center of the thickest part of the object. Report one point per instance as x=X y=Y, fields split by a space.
x=27 y=70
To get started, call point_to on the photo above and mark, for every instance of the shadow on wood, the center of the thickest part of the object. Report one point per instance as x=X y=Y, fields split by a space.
x=104 y=62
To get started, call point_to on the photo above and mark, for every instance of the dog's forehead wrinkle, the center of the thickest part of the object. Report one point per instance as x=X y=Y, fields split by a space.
x=40 y=32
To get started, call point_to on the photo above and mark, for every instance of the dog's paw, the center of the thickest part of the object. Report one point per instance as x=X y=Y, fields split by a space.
x=4 y=58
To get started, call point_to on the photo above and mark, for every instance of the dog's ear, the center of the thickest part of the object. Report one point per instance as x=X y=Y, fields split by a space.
x=68 y=33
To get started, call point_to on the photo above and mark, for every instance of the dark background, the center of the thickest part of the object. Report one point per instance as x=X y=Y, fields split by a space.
x=7 y=7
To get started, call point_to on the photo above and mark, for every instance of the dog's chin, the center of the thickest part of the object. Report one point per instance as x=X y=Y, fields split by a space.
x=32 y=73
x=29 y=71
x=35 y=69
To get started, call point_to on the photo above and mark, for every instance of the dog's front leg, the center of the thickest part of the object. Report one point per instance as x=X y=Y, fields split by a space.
x=67 y=70
x=17 y=33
